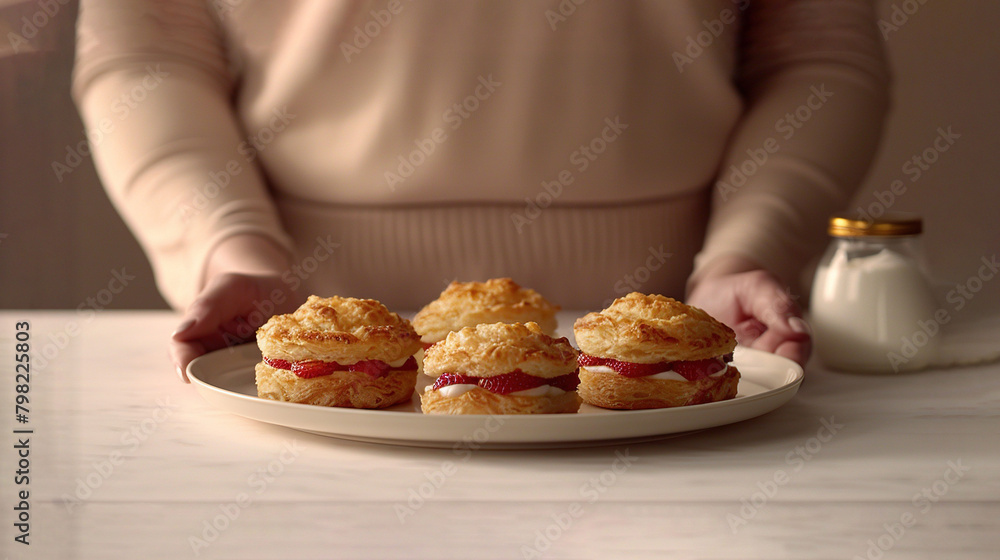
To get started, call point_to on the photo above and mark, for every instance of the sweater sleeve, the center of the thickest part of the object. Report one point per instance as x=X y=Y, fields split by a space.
x=152 y=85
x=815 y=83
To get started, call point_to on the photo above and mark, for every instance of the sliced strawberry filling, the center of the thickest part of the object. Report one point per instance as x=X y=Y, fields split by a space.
x=690 y=370
x=307 y=369
x=508 y=383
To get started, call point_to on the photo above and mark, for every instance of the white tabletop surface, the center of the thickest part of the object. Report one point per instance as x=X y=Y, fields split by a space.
x=127 y=462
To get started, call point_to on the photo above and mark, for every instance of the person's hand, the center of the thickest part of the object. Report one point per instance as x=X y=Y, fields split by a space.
x=755 y=304
x=244 y=287
x=228 y=312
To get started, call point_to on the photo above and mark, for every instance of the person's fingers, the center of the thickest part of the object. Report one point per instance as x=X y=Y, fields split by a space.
x=760 y=310
x=795 y=350
x=183 y=350
x=228 y=312
x=182 y=353
x=786 y=334
x=775 y=340
x=188 y=342
x=771 y=304
x=799 y=325
x=184 y=327
x=774 y=322
x=199 y=332
x=766 y=299
x=775 y=336
x=748 y=331
x=240 y=328
x=205 y=315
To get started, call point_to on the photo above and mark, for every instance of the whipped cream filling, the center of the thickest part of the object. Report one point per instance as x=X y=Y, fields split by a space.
x=540 y=391
x=455 y=390
x=721 y=372
x=459 y=389
x=665 y=375
x=290 y=364
x=399 y=362
x=598 y=369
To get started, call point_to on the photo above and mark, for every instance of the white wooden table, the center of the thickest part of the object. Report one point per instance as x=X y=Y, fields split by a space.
x=127 y=462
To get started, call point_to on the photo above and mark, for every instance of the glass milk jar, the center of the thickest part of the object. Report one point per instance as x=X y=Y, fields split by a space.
x=871 y=298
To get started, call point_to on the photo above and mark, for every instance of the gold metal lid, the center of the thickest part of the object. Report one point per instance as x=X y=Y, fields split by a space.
x=894 y=224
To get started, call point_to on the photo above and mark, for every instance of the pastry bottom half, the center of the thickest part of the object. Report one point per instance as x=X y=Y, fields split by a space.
x=348 y=389
x=481 y=401
x=611 y=390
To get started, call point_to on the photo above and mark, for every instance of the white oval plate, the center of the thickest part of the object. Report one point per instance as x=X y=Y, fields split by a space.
x=225 y=378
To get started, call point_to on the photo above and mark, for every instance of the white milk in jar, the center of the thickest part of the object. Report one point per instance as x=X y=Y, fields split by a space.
x=871 y=303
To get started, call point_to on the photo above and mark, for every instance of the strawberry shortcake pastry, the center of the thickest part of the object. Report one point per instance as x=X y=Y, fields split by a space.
x=467 y=304
x=651 y=351
x=501 y=368
x=338 y=351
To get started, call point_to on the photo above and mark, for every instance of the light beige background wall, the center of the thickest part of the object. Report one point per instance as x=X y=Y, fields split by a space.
x=946 y=59
x=62 y=244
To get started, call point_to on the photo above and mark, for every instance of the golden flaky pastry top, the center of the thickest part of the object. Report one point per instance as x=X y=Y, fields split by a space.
x=489 y=350
x=649 y=329
x=338 y=329
x=467 y=304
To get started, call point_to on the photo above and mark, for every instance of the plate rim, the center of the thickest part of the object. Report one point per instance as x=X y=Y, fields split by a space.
x=779 y=391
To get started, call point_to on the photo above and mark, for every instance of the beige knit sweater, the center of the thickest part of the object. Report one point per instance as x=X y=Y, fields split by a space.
x=583 y=148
